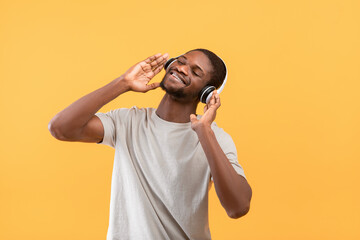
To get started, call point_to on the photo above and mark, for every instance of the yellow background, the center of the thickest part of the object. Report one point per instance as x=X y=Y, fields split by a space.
x=291 y=105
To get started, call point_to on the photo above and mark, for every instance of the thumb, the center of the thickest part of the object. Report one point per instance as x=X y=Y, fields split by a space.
x=193 y=118
x=152 y=86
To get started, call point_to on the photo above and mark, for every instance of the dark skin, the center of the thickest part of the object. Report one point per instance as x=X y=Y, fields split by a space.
x=233 y=190
x=182 y=82
x=195 y=68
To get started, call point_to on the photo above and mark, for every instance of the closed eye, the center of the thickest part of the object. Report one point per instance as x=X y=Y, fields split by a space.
x=181 y=63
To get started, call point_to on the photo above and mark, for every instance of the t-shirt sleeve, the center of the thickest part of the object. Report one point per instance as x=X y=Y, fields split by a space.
x=228 y=146
x=112 y=122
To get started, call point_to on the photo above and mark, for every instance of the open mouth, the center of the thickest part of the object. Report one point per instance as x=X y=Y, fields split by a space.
x=177 y=77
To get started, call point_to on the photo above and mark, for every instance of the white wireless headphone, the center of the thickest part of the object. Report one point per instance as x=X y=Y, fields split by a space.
x=206 y=93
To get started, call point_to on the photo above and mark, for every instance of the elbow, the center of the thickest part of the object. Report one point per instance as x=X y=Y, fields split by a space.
x=243 y=208
x=55 y=131
x=58 y=132
x=239 y=212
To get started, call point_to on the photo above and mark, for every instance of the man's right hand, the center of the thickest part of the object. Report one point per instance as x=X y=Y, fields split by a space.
x=139 y=75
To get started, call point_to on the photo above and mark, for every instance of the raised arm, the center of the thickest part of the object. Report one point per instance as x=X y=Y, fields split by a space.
x=233 y=190
x=78 y=121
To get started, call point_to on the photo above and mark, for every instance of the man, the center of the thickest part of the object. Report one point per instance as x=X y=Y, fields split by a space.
x=166 y=158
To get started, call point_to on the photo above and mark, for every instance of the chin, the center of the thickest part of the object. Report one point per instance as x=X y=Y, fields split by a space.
x=178 y=94
x=170 y=89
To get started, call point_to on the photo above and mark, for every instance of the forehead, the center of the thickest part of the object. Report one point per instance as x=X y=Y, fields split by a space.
x=200 y=59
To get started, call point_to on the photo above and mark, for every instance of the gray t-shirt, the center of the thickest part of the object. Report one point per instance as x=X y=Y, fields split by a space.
x=161 y=176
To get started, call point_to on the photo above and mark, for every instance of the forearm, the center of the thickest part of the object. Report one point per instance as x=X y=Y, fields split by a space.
x=76 y=115
x=232 y=189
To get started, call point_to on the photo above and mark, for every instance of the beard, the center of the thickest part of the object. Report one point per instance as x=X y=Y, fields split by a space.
x=181 y=94
x=177 y=93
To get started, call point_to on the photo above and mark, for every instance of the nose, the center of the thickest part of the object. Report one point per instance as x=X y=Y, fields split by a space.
x=182 y=68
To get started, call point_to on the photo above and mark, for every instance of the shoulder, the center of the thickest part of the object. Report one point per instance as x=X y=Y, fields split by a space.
x=225 y=140
x=134 y=110
x=219 y=132
x=141 y=112
x=123 y=115
x=221 y=135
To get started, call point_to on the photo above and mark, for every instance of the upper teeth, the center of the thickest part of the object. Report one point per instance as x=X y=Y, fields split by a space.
x=176 y=76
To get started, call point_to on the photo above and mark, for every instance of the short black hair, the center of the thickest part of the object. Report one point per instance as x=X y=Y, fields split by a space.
x=219 y=69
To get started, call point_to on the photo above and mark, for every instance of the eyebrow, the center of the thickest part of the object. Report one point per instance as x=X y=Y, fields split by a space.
x=196 y=66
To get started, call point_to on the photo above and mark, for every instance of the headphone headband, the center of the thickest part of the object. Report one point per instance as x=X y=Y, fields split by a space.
x=222 y=85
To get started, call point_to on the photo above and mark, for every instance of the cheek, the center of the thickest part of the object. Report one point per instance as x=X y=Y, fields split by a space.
x=199 y=83
x=195 y=89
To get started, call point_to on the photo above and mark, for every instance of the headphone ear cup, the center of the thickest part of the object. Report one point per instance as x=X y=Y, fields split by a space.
x=168 y=63
x=204 y=93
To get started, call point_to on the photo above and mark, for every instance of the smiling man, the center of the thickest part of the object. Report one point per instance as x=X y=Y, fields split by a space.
x=166 y=159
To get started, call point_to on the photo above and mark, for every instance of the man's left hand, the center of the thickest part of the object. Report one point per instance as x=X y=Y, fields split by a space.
x=209 y=114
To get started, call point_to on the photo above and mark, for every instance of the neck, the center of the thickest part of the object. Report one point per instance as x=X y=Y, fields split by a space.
x=172 y=110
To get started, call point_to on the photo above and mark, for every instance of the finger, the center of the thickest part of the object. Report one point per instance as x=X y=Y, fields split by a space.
x=162 y=60
x=193 y=117
x=150 y=74
x=145 y=67
x=216 y=96
x=217 y=99
x=151 y=58
x=152 y=86
x=158 y=69
x=148 y=67
x=155 y=63
x=161 y=64
x=166 y=56
x=205 y=108
x=212 y=99
x=159 y=61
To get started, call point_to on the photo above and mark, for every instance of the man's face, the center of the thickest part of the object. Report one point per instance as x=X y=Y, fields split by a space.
x=186 y=76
